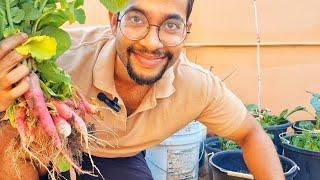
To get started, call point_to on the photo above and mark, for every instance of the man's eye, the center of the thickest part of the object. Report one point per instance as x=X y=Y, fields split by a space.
x=136 y=20
x=172 y=26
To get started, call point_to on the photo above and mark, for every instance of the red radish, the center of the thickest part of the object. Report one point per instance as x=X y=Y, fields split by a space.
x=70 y=103
x=20 y=121
x=37 y=105
x=88 y=107
x=63 y=110
x=63 y=127
x=67 y=113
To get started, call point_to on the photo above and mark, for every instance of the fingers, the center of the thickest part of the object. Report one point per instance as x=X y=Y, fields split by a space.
x=10 y=61
x=12 y=42
x=14 y=76
x=20 y=89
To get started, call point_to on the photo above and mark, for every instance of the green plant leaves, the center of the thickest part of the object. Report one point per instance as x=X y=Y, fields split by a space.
x=80 y=16
x=62 y=38
x=114 y=5
x=17 y=14
x=10 y=114
x=315 y=102
x=306 y=140
x=30 y=12
x=62 y=164
x=39 y=47
x=55 y=82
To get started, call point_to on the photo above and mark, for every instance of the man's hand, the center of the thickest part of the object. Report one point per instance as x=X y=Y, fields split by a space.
x=11 y=72
x=258 y=150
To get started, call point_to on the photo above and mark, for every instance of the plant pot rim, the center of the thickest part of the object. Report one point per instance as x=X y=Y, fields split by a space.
x=296 y=127
x=289 y=172
x=284 y=125
x=297 y=149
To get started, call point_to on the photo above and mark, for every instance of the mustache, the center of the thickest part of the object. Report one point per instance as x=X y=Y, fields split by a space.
x=158 y=53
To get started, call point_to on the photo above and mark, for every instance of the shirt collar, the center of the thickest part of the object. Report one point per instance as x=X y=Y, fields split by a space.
x=103 y=71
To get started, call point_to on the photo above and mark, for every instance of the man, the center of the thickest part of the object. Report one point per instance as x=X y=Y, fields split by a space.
x=139 y=61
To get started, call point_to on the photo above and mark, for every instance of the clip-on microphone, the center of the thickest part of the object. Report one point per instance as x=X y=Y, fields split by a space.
x=113 y=104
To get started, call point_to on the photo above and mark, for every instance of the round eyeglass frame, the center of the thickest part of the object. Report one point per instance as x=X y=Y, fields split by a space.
x=119 y=20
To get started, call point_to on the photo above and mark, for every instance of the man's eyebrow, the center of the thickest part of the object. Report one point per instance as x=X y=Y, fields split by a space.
x=137 y=9
x=134 y=8
x=173 y=16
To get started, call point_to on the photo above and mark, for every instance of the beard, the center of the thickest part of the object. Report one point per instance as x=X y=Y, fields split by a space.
x=142 y=80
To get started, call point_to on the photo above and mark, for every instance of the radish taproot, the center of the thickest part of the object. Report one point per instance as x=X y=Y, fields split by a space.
x=39 y=110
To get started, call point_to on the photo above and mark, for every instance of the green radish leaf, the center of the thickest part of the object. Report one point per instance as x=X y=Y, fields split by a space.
x=10 y=114
x=26 y=26
x=13 y=3
x=17 y=14
x=78 y=3
x=30 y=12
x=3 y=23
x=10 y=31
x=62 y=164
x=114 y=5
x=80 y=15
x=55 y=19
x=49 y=71
x=39 y=47
x=64 y=4
x=62 y=38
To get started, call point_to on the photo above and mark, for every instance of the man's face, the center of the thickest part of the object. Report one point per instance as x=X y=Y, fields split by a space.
x=147 y=58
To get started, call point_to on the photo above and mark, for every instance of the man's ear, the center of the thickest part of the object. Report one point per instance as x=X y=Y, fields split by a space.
x=189 y=25
x=113 y=19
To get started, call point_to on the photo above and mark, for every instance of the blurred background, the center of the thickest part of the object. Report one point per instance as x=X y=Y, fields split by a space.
x=223 y=39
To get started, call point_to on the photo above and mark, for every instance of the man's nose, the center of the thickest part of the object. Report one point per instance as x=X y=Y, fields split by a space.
x=152 y=41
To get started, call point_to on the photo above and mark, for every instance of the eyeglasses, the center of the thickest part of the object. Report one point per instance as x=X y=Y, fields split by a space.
x=135 y=26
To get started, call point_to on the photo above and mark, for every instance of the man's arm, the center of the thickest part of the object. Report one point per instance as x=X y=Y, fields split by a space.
x=20 y=169
x=258 y=150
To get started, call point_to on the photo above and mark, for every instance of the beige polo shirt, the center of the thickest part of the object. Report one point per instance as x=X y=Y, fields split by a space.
x=185 y=92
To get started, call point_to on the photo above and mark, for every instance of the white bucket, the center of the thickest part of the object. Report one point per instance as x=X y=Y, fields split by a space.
x=177 y=157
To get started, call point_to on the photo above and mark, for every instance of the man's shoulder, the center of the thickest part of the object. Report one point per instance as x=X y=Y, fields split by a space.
x=192 y=77
x=191 y=72
x=88 y=35
x=86 y=43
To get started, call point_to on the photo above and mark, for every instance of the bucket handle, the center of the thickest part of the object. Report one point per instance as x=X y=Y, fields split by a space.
x=283 y=139
x=240 y=175
x=250 y=176
x=202 y=153
x=294 y=168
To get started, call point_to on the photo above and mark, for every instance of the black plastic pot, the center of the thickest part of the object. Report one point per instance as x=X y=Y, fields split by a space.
x=296 y=126
x=276 y=130
x=230 y=165
x=212 y=145
x=308 y=161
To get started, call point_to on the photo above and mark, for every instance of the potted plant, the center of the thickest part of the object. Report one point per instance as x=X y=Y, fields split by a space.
x=230 y=165
x=310 y=125
x=216 y=144
x=274 y=124
x=304 y=149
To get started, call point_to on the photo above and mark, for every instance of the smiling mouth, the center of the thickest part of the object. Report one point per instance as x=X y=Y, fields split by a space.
x=148 y=60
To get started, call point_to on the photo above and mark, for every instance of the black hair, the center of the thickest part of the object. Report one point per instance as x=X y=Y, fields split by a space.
x=189 y=8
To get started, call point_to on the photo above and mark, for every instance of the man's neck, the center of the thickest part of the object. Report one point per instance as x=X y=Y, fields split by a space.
x=130 y=92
